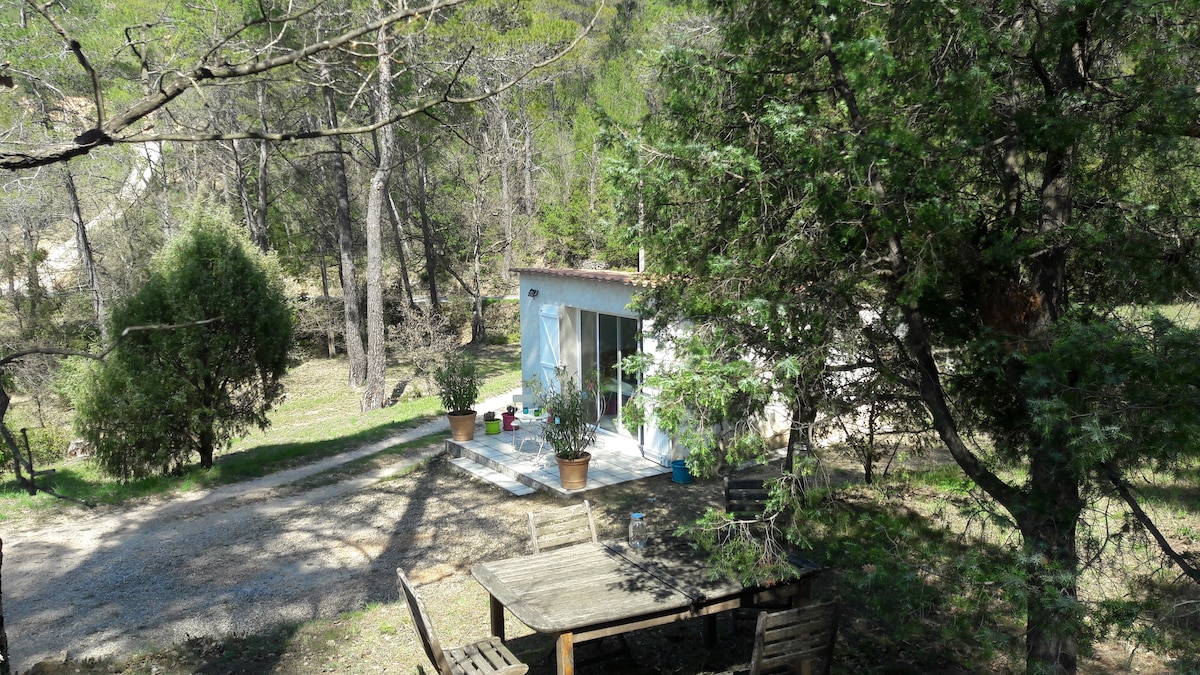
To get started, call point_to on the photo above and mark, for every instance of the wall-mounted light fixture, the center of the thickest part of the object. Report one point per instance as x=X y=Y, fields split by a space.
x=533 y=292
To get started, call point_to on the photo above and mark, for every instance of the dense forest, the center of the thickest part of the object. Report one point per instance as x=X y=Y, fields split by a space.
x=420 y=163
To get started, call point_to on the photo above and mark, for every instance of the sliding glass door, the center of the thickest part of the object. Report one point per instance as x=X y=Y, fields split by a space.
x=605 y=340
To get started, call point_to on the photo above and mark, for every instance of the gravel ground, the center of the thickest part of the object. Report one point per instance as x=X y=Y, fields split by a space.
x=240 y=559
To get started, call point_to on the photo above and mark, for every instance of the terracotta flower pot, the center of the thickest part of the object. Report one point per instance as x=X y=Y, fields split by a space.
x=572 y=473
x=462 y=427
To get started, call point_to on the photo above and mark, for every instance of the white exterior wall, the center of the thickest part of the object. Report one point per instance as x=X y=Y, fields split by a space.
x=655 y=441
x=569 y=295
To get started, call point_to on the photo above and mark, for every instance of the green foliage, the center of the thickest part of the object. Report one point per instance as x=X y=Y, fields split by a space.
x=952 y=172
x=458 y=383
x=1117 y=394
x=570 y=427
x=208 y=368
x=46 y=444
x=706 y=398
x=316 y=388
x=503 y=319
x=757 y=552
x=739 y=549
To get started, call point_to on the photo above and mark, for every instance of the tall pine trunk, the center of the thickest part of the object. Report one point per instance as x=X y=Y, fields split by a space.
x=375 y=392
x=507 y=206
x=33 y=281
x=326 y=311
x=427 y=232
x=355 y=354
x=258 y=226
x=401 y=253
x=5 y=668
x=91 y=276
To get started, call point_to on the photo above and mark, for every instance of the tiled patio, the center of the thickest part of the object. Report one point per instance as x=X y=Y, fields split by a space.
x=518 y=462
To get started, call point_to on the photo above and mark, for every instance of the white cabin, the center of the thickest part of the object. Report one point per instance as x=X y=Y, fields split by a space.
x=580 y=320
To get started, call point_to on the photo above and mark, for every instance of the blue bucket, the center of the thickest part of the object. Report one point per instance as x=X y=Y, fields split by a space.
x=679 y=472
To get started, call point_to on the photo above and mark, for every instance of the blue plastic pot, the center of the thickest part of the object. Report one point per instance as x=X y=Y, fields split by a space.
x=679 y=472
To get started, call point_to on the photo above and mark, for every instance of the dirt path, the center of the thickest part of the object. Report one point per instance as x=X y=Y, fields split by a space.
x=240 y=559
x=232 y=560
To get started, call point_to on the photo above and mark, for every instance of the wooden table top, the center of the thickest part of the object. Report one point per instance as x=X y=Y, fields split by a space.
x=591 y=584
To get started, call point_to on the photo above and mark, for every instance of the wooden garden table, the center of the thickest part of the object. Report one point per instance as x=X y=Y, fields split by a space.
x=590 y=591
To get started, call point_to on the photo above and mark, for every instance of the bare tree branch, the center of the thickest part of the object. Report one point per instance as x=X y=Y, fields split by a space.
x=1123 y=486
x=109 y=132
x=54 y=351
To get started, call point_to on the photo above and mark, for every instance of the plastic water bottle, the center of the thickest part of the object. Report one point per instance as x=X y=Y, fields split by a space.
x=637 y=531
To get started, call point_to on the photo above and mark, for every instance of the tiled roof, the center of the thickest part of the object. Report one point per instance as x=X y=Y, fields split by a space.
x=614 y=276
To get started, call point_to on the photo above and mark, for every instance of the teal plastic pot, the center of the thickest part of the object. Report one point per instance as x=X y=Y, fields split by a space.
x=679 y=472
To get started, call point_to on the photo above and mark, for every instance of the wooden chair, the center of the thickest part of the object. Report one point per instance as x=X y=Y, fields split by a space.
x=746 y=498
x=800 y=638
x=477 y=658
x=562 y=527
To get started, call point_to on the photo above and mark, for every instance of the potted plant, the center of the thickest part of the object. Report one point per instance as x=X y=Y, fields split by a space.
x=568 y=430
x=458 y=387
x=507 y=417
x=491 y=424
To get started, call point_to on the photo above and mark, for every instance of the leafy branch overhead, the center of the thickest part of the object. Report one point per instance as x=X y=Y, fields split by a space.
x=1008 y=192
x=220 y=64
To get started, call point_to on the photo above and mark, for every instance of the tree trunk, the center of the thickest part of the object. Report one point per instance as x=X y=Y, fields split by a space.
x=4 y=662
x=528 y=165
x=593 y=175
x=258 y=227
x=401 y=255
x=1049 y=528
x=507 y=208
x=91 y=276
x=356 y=355
x=330 y=338
x=33 y=282
x=243 y=191
x=427 y=232
x=207 y=443
x=375 y=392
x=478 y=327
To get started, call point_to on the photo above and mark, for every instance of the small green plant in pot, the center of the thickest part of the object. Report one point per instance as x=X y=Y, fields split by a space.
x=569 y=428
x=458 y=387
x=491 y=423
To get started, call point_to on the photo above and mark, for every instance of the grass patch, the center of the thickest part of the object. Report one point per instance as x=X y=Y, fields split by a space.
x=366 y=465
x=320 y=417
x=928 y=579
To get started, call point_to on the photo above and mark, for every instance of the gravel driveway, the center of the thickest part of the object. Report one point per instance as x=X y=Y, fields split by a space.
x=242 y=558
x=233 y=560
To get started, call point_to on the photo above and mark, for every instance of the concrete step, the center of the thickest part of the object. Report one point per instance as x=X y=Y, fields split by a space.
x=537 y=470
x=614 y=460
x=492 y=476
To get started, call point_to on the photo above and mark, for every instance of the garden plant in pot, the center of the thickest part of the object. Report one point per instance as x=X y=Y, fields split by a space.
x=507 y=417
x=568 y=430
x=458 y=387
x=491 y=423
